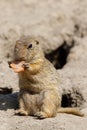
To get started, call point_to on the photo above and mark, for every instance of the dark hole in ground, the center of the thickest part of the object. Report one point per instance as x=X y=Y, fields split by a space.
x=73 y=98
x=66 y=100
x=58 y=57
x=5 y=90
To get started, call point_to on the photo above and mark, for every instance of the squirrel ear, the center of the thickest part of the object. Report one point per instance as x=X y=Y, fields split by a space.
x=37 y=42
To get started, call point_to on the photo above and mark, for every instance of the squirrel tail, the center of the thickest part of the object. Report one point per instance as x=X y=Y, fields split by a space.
x=74 y=111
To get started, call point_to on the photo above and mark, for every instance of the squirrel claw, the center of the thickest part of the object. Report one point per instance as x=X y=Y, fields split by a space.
x=25 y=66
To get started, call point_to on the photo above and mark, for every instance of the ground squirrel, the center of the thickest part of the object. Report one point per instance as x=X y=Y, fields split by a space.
x=38 y=81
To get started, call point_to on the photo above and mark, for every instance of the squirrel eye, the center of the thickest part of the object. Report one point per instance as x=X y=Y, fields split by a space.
x=30 y=46
x=37 y=42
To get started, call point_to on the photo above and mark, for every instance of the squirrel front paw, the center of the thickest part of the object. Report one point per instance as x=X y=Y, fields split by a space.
x=25 y=65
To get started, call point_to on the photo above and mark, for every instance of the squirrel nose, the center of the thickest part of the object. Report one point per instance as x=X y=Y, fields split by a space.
x=9 y=63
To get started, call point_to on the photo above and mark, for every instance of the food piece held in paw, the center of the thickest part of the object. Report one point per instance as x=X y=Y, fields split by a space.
x=17 y=66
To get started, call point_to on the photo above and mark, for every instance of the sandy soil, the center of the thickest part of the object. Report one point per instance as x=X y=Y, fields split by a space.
x=58 y=22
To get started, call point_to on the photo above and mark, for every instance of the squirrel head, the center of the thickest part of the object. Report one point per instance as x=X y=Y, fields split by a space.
x=27 y=48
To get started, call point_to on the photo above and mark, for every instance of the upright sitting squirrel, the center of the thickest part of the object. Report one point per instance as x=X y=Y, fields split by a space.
x=38 y=81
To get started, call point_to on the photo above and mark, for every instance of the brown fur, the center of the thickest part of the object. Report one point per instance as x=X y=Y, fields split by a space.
x=39 y=92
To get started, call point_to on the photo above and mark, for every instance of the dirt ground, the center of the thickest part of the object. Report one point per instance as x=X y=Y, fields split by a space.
x=63 y=24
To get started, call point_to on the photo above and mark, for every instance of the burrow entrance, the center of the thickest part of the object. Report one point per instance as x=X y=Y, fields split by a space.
x=59 y=56
x=72 y=99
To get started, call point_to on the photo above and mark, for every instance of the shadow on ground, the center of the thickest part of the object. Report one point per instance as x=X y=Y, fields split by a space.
x=8 y=101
